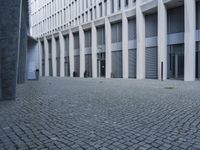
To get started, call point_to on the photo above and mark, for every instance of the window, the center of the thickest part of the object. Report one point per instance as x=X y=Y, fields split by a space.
x=83 y=5
x=105 y=5
x=86 y=3
x=100 y=36
x=88 y=38
x=119 y=4
x=100 y=10
x=86 y=16
x=95 y=12
x=82 y=18
x=112 y=6
x=91 y=18
x=76 y=41
x=116 y=32
x=126 y=3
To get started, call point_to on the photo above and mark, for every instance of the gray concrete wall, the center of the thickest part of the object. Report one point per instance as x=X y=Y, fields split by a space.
x=9 y=36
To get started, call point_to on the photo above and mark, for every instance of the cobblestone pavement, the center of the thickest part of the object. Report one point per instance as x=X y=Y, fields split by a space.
x=78 y=114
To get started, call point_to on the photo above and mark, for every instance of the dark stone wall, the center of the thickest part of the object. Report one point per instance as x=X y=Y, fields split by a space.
x=23 y=44
x=0 y=79
x=9 y=29
x=9 y=36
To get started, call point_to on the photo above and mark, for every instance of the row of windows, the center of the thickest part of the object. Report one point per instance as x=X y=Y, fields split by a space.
x=53 y=15
x=175 y=24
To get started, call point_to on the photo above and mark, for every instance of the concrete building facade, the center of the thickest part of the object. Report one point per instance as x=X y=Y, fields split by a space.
x=143 y=39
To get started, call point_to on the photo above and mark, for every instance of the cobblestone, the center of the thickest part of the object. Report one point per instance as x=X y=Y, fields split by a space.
x=105 y=114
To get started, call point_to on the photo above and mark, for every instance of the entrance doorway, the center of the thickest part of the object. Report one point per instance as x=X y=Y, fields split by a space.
x=176 y=62
x=198 y=60
x=101 y=65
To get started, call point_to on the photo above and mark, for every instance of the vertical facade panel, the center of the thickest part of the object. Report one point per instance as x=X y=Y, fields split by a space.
x=76 y=41
x=132 y=29
x=50 y=58
x=77 y=65
x=176 y=61
x=88 y=65
x=175 y=20
x=100 y=36
x=58 y=56
x=101 y=64
x=116 y=32
x=117 y=64
x=67 y=61
x=198 y=43
x=198 y=60
x=67 y=66
x=43 y=59
x=132 y=63
x=198 y=15
x=76 y=57
x=151 y=63
x=151 y=26
x=88 y=40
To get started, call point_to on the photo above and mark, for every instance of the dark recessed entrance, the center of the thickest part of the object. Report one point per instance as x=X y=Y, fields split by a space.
x=101 y=64
x=176 y=62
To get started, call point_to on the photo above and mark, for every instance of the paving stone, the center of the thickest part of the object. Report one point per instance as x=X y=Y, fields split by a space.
x=67 y=113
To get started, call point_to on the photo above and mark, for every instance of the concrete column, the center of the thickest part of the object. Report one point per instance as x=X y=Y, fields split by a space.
x=71 y=53
x=54 y=67
x=82 y=51
x=108 y=47
x=190 y=39
x=9 y=47
x=125 y=45
x=46 y=51
x=140 y=25
x=94 y=51
x=162 y=39
x=62 y=55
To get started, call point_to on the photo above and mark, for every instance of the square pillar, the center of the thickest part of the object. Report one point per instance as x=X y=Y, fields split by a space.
x=71 y=52
x=46 y=51
x=108 y=47
x=62 y=55
x=54 y=67
x=82 y=51
x=94 y=51
x=190 y=40
x=162 y=40
x=9 y=47
x=125 y=45
x=140 y=25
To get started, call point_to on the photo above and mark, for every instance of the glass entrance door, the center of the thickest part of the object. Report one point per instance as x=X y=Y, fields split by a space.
x=101 y=65
x=176 y=62
x=180 y=66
